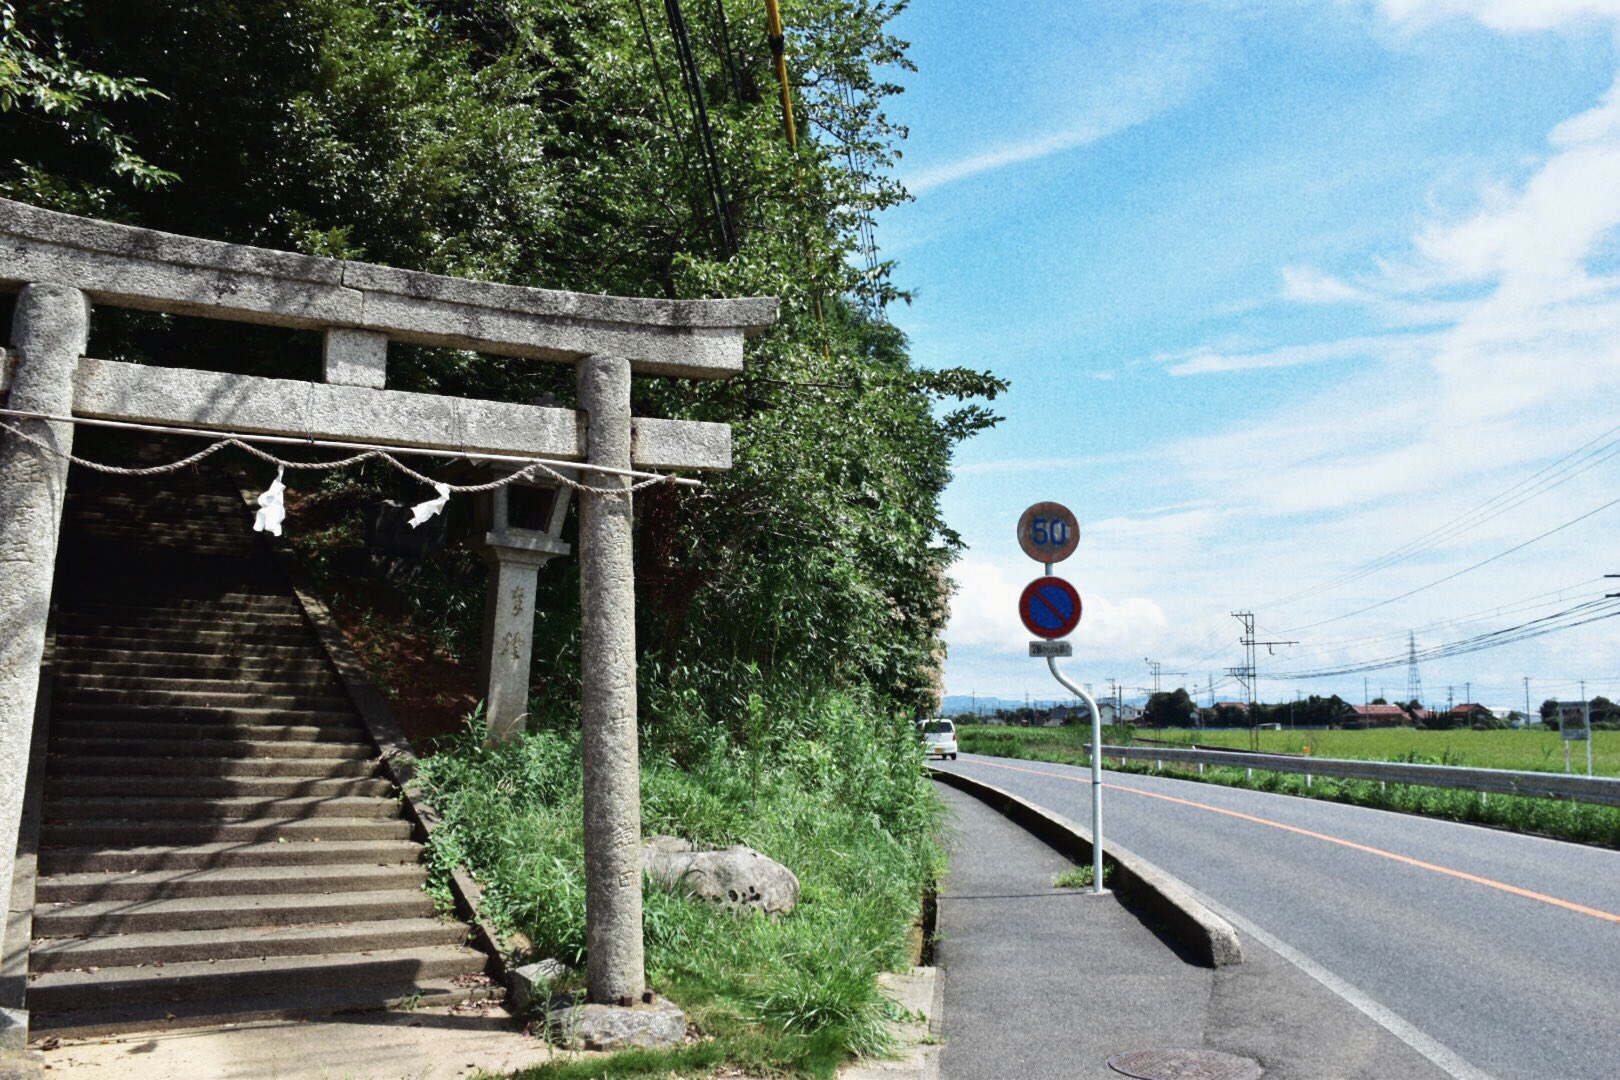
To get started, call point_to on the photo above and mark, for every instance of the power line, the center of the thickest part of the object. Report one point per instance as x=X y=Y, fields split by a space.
x=1511 y=607
x=1470 y=519
x=1459 y=573
x=1580 y=615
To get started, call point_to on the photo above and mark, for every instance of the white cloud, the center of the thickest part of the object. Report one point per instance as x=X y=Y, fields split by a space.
x=1158 y=80
x=1013 y=154
x=1399 y=347
x=984 y=614
x=1309 y=286
x=1507 y=15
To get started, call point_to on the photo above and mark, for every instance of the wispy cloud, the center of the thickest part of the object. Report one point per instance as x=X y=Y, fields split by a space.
x=1509 y=15
x=1016 y=153
x=1381 y=347
x=1160 y=80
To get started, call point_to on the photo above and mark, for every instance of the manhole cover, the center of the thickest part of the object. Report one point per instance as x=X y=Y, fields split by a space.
x=1184 y=1065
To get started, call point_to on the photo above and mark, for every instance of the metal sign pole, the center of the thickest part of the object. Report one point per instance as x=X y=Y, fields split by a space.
x=1587 y=716
x=1096 y=774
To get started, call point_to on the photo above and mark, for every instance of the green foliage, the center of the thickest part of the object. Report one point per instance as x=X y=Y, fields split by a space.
x=1170 y=708
x=539 y=143
x=44 y=90
x=849 y=810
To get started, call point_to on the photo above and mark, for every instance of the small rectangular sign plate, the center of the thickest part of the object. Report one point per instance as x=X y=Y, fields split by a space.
x=1572 y=721
x=1044 y=649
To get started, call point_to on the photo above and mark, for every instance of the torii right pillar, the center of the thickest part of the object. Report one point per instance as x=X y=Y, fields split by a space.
x=615 y=967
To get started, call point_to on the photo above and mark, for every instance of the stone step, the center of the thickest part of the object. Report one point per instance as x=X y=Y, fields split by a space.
x=88 y=651
x=80 y=712
x=77 y=697
x=162 y=603
x=251 y=943
x=69 y=765
x=157 y=1017
x=103 y=860
x=82 y=630
x=220 y=912
x=72 y=730
x=73 y=682
x=208 y=746
x=60 y=991
x=160 y=666
x=72 y=808
x=141 y=619
x=163 y=832
x=227 y=881
x=212 y=787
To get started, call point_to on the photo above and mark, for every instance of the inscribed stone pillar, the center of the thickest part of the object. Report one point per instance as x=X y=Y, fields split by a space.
x=514 y=566
x=48 y=334
x=615 y=967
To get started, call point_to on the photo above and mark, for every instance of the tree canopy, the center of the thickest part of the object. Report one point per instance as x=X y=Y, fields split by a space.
x=557 y=144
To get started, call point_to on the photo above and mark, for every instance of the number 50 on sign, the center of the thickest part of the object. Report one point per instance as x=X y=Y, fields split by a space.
x=1048 y=532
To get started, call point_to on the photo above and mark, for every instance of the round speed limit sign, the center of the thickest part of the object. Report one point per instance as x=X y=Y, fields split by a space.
x=1048 y=532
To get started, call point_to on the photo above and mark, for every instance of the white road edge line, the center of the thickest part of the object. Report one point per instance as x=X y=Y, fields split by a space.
x=1437 y=1052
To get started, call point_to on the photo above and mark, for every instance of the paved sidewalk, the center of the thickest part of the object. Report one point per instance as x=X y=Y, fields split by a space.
x=1046 y=984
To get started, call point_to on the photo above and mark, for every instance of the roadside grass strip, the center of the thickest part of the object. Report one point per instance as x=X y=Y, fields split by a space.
x=1580 y=822
x=852 y=813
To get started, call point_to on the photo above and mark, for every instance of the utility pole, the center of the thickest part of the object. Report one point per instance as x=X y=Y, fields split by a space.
x=1414 y=681
x=1449 y=703
x=1364 y=701
x=1247 y=674
x=1527 y=700
x=1468 y=692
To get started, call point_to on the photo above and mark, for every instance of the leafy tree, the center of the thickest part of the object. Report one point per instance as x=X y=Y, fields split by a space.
x=539 y=143
x=1170 y=708
x=1549 y=713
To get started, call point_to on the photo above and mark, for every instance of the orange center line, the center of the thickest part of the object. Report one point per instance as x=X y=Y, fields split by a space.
x=1463 y=875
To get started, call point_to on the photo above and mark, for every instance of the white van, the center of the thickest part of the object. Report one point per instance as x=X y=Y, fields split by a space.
x=939 y=737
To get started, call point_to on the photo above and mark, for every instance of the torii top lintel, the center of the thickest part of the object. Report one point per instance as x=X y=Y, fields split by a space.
x=123 y=266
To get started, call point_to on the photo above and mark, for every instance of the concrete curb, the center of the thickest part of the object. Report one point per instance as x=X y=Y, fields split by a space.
x=1141 y=886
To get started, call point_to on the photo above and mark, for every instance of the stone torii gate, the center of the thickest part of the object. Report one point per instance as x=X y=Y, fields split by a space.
x=63 y=265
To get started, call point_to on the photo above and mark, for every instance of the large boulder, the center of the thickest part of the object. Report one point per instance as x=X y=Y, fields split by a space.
x=736 y=878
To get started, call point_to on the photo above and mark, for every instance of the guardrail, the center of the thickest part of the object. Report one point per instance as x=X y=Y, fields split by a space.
x=1601 y=790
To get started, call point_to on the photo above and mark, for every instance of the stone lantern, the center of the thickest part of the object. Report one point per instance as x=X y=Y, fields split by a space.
x=525 y=521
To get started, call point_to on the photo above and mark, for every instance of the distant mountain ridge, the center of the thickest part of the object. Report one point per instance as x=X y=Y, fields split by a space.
x=961 y=704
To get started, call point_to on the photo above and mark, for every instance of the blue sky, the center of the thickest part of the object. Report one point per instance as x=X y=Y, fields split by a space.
x=1280 y=287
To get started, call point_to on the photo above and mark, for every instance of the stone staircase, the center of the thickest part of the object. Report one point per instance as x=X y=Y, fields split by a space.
x=217 y=842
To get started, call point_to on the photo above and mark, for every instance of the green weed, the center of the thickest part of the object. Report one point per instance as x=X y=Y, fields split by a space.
x=850 y=810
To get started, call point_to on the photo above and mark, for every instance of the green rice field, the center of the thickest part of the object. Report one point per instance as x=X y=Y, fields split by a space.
x=1538 y=750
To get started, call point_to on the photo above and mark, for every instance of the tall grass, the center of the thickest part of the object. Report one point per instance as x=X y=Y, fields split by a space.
x=1557 y=818
x=850 y=811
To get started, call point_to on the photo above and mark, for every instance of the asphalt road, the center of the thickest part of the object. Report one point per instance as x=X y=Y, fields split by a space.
x=1496 y=954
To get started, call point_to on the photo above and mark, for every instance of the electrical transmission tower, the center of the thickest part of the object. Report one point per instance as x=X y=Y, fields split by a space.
x=1414 y=679
x=1247 y=675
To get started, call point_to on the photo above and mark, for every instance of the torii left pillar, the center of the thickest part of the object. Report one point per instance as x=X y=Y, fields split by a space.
x=48 y=334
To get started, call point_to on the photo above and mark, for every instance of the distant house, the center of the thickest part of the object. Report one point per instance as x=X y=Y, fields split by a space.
x=1116 y=712
x=1468 y=712
x=1371 y=716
